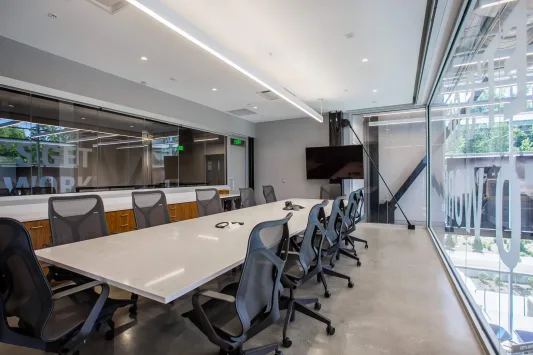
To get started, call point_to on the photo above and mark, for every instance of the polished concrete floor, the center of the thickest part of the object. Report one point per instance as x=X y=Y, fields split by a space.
x=402 y=303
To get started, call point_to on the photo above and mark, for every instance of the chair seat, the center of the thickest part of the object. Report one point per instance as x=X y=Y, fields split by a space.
x=67 y=315
x=222 y=315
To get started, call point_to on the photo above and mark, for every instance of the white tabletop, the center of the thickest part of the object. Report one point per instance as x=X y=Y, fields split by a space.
x=39 y=210
x=165 y=262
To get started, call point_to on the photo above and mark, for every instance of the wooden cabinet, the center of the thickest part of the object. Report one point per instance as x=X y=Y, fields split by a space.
x=183 y=211
x=39 y=232
x=120 y=221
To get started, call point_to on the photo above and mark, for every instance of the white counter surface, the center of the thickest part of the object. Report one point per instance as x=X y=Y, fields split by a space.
x=165 y=262
x=35 y=207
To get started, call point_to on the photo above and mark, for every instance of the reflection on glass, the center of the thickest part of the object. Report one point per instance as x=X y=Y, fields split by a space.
x=49 y=146
x=481 y=153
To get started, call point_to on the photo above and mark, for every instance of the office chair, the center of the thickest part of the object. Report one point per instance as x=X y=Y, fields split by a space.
x=354 y=212
x=208 y=201
x=77 y=218
x=247 y=197
x=243 y=309
x=270 y=195
x=150 y=208
x=5 y=192
x=303 y=265
x=57 y=321
x=330 y=191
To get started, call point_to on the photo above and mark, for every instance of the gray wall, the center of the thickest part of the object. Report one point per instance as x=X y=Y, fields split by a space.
x=30 y=65
x=280 y=155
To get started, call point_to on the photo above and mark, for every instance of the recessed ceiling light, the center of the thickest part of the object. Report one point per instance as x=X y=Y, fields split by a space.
x=374 y=90
x=214 y=89
x=255 y=107
x=52 y=16
x=83 y=118
x=144 y=58
x=131 y=126
x=11 y=105
x=364 y=60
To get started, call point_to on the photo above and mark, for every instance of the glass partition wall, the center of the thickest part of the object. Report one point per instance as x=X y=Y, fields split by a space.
x=49 y=146
x=481 y=168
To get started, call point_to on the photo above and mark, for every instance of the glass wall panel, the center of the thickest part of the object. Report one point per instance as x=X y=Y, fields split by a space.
x=481 y=159
x=49 y=146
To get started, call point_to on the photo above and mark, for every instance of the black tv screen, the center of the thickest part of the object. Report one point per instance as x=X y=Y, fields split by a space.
x=344 y=162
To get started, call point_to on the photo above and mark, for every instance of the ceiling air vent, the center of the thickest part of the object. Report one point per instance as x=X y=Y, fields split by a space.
x=110 y=6
x=242 y=112
x=267 y=94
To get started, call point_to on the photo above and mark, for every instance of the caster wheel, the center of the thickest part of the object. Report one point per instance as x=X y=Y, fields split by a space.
x=279 y=352
x=355 y=253
x=337 y=257
x=359 y=264
x=366 y=246
x=327 y=294
x=110 y=335
x=287 y=342
x=222 y=352
x=318 y=306
x=350 y=284
x=330 y=330
x=133 y=312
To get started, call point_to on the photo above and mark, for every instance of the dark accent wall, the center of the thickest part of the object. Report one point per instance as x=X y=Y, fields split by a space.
x=251 y=167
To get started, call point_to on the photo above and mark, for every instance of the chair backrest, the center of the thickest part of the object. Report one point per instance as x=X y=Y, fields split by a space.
x=354 y=209
x=315 y=224
x=208 y=201
x=76 y=218
x=150 y=208
x=5 y=192
x=270 y=195
x=336 y=222
x=27 y=294
x=330 y=191
x=247 y=197
x=259 y=286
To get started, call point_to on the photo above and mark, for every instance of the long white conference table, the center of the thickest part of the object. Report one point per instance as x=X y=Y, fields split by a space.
x=165 y=262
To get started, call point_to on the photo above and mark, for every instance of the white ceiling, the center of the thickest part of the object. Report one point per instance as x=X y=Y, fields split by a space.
x=300 y=44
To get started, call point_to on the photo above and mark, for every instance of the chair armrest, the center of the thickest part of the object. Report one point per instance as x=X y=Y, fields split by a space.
x=217 y=295
x=294 y=255
x=77 y=289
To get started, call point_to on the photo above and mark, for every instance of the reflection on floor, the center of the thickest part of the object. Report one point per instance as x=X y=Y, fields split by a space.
x=402 y=303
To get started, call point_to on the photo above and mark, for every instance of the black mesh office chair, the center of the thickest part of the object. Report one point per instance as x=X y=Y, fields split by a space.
x=242 y=310
x=330 y=191
x=77 y=218
x=247 y=197
x=150 y=208
x=5 y=192
x=332 y=246
x=208 y=201
x=303 y=265
x=58 y=321
x=354 y=212
x=270 y=195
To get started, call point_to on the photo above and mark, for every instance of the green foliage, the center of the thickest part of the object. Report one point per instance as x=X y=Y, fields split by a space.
x=524 y=250
x=497 y=280
x=489 y=247
x=477 y=246
x=449 y=242
x=530 y=281
x=483 y=277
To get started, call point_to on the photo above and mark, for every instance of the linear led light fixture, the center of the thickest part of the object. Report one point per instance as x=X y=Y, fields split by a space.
x=210 y=50
x=133 y=146
x=395 y=122
x=9 y=124
x=90 y=138
x=117 y=142
x=205 y=140
x=54 y=133
x=394 y=113
x=499 y=2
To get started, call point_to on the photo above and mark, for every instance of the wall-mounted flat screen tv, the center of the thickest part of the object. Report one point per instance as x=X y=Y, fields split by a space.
x=343 y=162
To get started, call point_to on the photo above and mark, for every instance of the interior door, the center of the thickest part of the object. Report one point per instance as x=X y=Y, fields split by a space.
x=215 y=173
x=237 y=166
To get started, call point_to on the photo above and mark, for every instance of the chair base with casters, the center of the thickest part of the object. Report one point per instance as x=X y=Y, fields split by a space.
x=293 y=305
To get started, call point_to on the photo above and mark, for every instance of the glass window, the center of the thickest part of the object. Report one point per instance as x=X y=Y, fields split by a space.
x=49 y=146
x=481 y=159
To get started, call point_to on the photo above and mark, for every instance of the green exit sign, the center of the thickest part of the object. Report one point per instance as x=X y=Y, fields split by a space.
x=180 y=147
x=235 y=141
